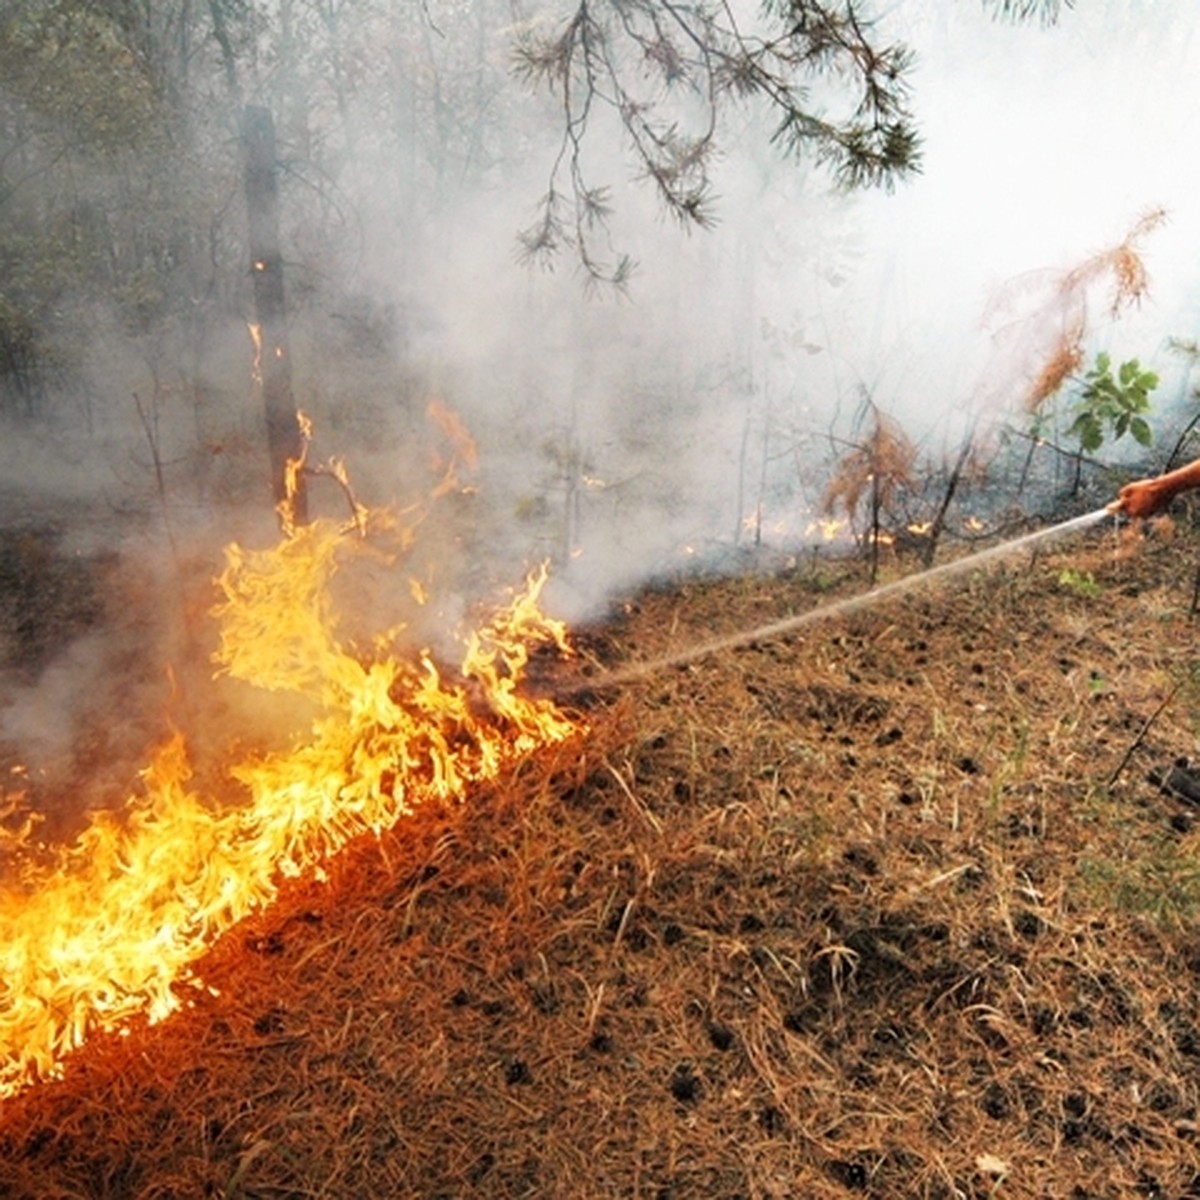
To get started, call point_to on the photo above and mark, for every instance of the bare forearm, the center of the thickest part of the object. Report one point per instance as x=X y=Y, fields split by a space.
x=1145 y=497
x=1181 y=479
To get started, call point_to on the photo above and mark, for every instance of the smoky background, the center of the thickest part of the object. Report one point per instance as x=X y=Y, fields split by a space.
x=694 y=415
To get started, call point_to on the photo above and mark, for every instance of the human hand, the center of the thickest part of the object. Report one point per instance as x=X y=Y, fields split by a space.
x=1142 y=498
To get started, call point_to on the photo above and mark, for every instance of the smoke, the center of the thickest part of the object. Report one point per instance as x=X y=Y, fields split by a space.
x=1043 y=147
x=622 y=436
x=625 y=436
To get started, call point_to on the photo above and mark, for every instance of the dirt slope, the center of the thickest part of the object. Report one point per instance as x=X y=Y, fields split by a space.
x=890 y=908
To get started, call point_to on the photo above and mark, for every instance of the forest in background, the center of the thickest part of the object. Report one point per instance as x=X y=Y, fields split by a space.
x=719 y=405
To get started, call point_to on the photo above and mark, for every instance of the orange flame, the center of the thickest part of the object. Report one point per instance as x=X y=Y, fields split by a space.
x=830 y=528
x=256 y=340
x=292 y=470
x=463 y=446
x=110 y=927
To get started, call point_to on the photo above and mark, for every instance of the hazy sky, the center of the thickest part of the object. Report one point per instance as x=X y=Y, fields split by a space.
x=1042 y=146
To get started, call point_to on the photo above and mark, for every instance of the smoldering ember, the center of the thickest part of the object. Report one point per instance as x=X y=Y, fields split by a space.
x=503 y=694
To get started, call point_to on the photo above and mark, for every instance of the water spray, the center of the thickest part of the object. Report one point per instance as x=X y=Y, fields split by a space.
x=849 y=605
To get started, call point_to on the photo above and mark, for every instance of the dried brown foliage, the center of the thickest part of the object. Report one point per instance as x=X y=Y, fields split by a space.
x=1122 y=262
x=874 y=469
x=855 y=913
x=1051 y=332
x=1065 y=359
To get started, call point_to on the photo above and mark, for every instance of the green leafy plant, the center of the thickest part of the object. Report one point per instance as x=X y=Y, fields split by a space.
x=1083 y=583
x=1109 y=405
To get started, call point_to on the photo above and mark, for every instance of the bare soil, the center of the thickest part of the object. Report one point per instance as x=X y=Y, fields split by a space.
x=897 y=906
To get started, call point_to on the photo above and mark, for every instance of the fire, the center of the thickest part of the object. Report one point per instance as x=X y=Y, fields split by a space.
x=830 y=528
x=462 y=443
x=110 y=927
x=256 y=340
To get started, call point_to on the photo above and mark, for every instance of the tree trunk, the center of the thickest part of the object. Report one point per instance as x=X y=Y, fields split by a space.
x=284 y=440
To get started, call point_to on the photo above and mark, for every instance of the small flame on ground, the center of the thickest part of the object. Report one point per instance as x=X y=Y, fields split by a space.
x=830 y=528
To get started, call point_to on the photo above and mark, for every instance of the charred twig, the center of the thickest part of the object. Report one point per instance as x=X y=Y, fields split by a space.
x=1180 y=441
x=148 y=416
x=1141 y=735
x=1067 y=452
x=956 y=473
x=335 y=469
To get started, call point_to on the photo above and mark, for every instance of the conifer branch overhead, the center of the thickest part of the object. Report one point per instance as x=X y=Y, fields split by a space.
x=1047 y=11
x=668 y=70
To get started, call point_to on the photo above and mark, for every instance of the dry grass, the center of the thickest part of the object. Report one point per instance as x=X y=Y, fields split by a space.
x=856 y=912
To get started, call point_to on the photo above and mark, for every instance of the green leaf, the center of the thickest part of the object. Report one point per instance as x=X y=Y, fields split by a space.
x=1089 y=431
x=1141 y=431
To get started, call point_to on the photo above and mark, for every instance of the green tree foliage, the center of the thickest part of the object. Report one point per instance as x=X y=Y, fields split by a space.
x=70 y=73
x=121 y=208
x=84 y=147
x=669 y=71
x=1113 y=405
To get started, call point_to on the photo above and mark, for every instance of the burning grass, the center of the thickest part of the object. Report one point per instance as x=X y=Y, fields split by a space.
x=108 y=926
x=886 y=908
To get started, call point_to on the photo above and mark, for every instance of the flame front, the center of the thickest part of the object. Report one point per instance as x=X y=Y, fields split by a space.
x=109 y=927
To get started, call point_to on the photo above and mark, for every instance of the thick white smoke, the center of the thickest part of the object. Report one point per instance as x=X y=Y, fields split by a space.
x=627 y=436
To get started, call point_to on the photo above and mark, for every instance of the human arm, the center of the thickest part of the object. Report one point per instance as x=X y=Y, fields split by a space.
x=1145 y=497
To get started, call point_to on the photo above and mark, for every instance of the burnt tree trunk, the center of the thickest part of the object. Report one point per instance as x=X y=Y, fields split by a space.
x=284 y=441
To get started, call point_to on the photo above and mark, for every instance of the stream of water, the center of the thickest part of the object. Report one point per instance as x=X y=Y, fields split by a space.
x=839 y=608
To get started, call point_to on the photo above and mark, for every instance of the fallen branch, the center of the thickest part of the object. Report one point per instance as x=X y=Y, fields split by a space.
x=1141 y=735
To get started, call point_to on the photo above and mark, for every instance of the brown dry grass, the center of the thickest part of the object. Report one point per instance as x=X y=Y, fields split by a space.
x=852 y=913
